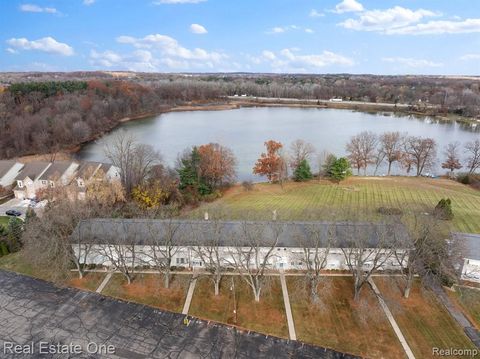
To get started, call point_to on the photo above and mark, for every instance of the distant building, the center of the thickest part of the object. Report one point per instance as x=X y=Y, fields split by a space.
x=9 y=169
x=34 y=177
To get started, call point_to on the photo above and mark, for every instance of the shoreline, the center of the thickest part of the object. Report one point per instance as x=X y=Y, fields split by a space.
x=233 y=102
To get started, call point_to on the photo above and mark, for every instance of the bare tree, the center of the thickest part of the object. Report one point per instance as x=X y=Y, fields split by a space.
x=422 y=152
x=132 y=158
x=366 y=247
x=210 y=237
x=315 y=241
x=361 y=150
x=252 y=252
x=82 y=246
x=299 y=151
x=452 y=161
x=120 y=249
x=391 y=145
x=164 y=242
x=472 y=149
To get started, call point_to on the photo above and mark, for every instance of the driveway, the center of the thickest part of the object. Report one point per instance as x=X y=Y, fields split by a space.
x=20 y=205
x=33 y=311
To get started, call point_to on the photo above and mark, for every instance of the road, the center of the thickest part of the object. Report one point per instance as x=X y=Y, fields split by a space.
x=314 y=101
x=34 y=311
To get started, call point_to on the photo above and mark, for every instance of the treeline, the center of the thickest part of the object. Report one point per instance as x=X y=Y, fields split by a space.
x=364 y=150
x=46 y=117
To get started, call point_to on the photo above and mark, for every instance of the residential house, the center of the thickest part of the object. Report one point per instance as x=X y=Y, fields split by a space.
x=58 y=174
x=9 y=169
x=136 y=239
x=94 y=171
x=28 y=183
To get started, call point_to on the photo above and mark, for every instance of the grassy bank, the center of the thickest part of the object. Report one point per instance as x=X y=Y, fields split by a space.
x=363 y=195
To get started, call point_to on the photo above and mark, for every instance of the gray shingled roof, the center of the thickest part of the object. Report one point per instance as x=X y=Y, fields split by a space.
x=470 y=244
x=32 y=170
x=5 y=166
x=56 y=170
x=87 y=169
x=191 y=233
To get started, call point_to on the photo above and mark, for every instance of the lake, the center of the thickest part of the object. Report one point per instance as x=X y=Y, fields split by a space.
x=245 y=130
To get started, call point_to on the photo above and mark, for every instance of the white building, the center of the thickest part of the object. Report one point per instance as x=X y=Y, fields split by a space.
x=9 y=169
x=137 y=239
x=470 y=268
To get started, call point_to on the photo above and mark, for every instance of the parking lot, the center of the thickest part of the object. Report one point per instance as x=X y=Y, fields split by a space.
x=34 y=311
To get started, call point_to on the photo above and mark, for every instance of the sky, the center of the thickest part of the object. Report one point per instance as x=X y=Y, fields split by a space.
x=432 y=37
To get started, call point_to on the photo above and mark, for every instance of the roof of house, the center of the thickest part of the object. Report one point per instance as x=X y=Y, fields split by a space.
x=470 y=245
x=88 y=169
x=228 y=233
x=5 y=166
x=56 y=170
x=105 y=167
x=32 y=170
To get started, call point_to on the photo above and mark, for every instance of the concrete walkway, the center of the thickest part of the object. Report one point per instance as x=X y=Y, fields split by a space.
x=188 y=300
x=392 y=320
x=288 y=308
x=104 y=282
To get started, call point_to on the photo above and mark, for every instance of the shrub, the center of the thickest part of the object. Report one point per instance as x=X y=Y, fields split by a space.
x=247 y=185
x=443 y=210
x=390 y=211
x=3 y=249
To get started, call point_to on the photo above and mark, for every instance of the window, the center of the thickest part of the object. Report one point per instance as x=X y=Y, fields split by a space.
x=52 y=184
x=20 y=184
x=44 y=182
x=181 y=261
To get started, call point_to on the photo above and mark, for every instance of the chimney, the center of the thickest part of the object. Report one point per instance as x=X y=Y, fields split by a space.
x=274 y=214
x=205 y=216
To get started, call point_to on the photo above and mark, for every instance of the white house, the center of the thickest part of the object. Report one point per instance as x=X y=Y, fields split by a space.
x=470 y=268
x=9 y=169
x=135 y=240
x=27 y=180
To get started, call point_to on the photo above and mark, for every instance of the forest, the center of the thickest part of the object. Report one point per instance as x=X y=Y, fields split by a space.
x=49 y=112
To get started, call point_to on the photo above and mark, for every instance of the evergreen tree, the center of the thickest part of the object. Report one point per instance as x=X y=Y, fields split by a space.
x=14 y=229
x=302 y=172
x=340 y=169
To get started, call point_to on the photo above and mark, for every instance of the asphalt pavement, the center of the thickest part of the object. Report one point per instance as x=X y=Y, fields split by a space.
x=40 y=317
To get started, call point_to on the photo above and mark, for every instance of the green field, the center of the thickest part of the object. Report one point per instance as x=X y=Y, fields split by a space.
x=362 y=195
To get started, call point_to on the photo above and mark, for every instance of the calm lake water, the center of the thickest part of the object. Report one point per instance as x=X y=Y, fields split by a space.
x=245 y=130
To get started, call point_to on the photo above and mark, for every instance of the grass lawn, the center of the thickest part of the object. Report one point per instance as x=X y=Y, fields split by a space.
x=423 y=320
x=364 y=195
x=15 y=262
x=148 y=289
x=339 y=323
x=267 y=316
x=4 y=220
x=469 y=301
x=90 y=281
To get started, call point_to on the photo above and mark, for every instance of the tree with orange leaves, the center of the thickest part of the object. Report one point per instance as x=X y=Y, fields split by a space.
x=217 y=165
x=271 y=164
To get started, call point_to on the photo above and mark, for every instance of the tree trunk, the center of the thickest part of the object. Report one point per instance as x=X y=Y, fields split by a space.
x=129 y=279
x=314 y=290
x=389 y=168
x=166 y=282
x=257 y=294
x=217 y=286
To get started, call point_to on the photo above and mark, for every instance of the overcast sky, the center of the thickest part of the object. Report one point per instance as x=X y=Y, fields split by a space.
x=297 y=36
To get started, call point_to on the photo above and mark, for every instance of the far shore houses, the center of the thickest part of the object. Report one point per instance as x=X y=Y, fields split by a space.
x=27 y=180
